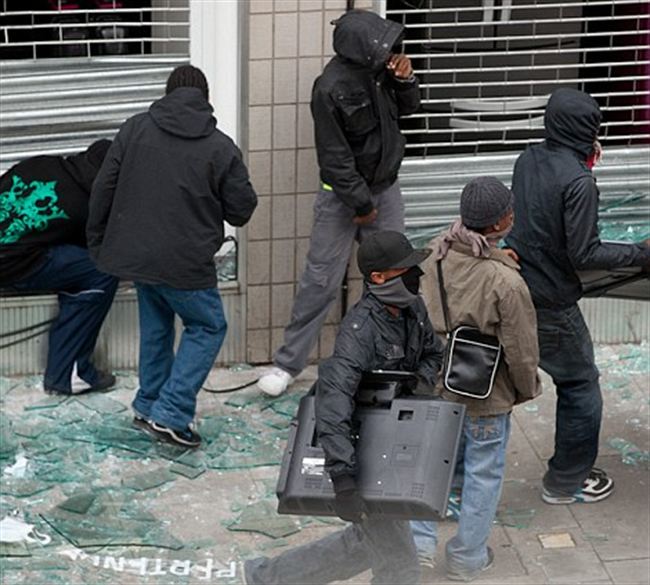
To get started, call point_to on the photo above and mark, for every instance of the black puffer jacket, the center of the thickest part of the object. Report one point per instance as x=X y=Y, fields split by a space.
x=355 y=105
x=369 y=338
x=159 y=202
x=556 y=205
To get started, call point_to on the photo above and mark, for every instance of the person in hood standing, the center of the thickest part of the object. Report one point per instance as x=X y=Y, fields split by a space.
x=43 y=212
x=355 y=105
x=555 y=235
x=387 y=329
x=157 y=209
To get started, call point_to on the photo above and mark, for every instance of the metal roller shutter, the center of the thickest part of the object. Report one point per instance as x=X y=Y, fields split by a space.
x=72 y=72
x=68 y=76
x=432 y=186
x=60 y=106
x=487 y=68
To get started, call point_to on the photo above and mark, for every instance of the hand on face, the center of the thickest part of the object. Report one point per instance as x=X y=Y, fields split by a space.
x=400 y=66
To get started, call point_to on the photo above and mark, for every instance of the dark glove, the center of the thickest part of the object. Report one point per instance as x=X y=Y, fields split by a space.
x=348 y=504
x=423 y=387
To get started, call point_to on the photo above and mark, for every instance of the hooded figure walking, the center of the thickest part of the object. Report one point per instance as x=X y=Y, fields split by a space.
x=555 y=234
x=355 y=104
x=157 y=208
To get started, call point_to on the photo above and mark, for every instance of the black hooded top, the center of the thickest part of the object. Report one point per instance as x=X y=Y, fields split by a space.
x=555 y=232
x=43 y=203
x=168 y=183
x=355 y=105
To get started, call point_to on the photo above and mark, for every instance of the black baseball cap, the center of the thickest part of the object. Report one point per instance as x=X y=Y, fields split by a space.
x=384 y=250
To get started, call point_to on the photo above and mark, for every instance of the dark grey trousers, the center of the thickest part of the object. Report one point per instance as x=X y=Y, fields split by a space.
x=385 y=546
x=332 y=237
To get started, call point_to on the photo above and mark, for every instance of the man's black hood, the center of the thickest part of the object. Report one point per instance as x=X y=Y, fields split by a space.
x=84 y=166
x=365 y=38
x=184 y=112
x=572 y=118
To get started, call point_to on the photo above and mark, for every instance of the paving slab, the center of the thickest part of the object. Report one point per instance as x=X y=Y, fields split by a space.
x=619 y=527
x=523 y=461
x=522 y=506
x=636 y=572
x=564 y=566
x=537 y=417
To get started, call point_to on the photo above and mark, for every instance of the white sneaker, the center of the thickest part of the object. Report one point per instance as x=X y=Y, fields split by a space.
x=275 y=382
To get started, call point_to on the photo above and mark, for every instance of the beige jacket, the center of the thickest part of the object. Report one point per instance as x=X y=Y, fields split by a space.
x=488 y=293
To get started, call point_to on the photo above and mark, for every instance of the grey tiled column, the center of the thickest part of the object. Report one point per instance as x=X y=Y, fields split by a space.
x=289 y=43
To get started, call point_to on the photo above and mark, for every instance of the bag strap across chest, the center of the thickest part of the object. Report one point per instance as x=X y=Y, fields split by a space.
x=443 y=296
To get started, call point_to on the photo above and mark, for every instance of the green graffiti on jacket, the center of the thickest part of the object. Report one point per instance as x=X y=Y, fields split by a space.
x=27 y=208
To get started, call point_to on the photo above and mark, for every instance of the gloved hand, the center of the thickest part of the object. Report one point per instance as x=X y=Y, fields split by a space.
x=348 y=504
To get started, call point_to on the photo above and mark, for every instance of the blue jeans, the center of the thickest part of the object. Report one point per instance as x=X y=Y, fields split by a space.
x=567 y=354
x=385 y=546
x=85 y=295
x=481 y=461
x=169 y=384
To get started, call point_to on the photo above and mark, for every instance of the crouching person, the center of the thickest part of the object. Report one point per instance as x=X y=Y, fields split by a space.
x=43 y=213
x=484 y=290
x=387 y=329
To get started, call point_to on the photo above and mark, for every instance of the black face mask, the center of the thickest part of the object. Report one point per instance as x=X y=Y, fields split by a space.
x=411 y=279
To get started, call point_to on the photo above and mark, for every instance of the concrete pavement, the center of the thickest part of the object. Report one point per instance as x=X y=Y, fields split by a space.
x=88 y=471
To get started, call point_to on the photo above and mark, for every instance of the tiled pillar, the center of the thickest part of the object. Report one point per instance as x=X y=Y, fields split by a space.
x=289 y=43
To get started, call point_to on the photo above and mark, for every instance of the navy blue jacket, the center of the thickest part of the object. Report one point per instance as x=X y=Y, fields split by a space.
x=555 y=232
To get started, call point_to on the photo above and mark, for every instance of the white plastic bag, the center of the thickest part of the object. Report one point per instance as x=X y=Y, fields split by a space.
x=13 y=529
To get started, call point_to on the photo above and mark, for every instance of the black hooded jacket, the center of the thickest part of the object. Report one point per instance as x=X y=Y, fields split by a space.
x=159 y=202
x=370 y=338
x=43 y=203
x=355 y=105
x=555 y=232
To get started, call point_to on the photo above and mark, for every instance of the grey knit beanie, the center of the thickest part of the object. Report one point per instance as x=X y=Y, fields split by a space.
x=484 y=201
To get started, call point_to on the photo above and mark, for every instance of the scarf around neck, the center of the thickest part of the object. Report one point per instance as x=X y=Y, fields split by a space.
x=457 y=232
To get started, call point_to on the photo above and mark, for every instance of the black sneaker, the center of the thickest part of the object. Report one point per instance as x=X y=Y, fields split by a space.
x=55 y=392
x=186 y=438
x=105 y=382
x=468 y=576
x=595 y=488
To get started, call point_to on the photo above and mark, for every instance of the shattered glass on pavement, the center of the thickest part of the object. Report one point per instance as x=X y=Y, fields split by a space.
x=121 y=508
x=77 y=469
x=261 y=517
